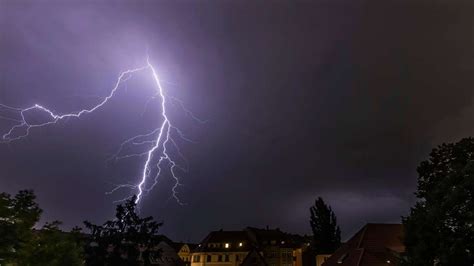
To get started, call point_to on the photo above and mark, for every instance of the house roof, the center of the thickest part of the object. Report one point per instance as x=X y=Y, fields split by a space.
x=250 y=238
x=233 y=238
x=179 y=245
x=192 y=247
x=373 y=245
x=274 y=237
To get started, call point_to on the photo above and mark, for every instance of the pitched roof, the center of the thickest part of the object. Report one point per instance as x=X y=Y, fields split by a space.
x=250 y=238
x=233 y=238
x=266 y=237
x=373 y=245
x=179 y=245
x=192 y=247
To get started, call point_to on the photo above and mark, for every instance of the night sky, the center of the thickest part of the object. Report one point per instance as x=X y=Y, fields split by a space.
x=339 y=99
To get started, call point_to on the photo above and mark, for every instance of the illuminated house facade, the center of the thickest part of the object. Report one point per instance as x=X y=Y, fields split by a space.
x=251 y=246
x=227 y=248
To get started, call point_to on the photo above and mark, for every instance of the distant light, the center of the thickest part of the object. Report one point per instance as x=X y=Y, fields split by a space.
x=226 y=245
x=388 y=261
x=241 y=244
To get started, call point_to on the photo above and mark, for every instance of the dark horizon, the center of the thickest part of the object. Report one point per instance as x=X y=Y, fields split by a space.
x=337 y=99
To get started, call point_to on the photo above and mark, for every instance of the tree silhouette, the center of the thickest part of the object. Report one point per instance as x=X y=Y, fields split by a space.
x=440 y=227
x=18 y=215
x=326 y=232
x=20 y=244
x=52 y=247
x=125 y=240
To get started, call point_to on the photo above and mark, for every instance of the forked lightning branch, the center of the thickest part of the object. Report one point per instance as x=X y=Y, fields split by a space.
x=159 y=142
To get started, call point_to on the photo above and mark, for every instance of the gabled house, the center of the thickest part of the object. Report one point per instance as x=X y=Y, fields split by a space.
x=226 y=248
x=373 y=245
x=253 y=246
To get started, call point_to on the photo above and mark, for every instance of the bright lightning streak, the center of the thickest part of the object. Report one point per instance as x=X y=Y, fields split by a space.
x=162 y=136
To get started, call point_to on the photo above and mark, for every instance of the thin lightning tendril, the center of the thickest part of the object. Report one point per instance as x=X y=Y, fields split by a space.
x=158 y=146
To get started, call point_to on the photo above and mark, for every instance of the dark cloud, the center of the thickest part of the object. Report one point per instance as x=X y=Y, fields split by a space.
x=332 y=98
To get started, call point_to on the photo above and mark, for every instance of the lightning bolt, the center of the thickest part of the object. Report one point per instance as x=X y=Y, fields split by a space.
x=159 y=141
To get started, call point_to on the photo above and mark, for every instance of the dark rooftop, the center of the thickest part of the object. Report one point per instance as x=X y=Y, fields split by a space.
x=373 y=245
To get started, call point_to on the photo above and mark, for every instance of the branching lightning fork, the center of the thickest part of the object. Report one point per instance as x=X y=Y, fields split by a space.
x=158 y=141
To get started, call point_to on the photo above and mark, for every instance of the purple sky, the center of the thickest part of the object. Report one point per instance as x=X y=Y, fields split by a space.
x=339 y=99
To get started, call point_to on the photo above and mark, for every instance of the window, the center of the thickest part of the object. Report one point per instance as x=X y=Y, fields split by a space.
x=196 y=258
x=209 y=258
x=226 y=245
x=226 y=258
x=219 y=258
x=237 y=258
x=241 y=244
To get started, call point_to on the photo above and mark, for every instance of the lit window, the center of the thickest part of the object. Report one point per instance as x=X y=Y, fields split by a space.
x=226 y=245
x=241 y=244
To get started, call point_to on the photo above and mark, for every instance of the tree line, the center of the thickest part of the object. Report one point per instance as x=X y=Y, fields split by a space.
x=128 y=239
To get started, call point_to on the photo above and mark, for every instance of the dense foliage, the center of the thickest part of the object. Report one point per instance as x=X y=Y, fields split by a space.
x=326 y=232
x=125 y=240
x=21 y=244
x=18 y=215
x=440 y=227
x=52 y=247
